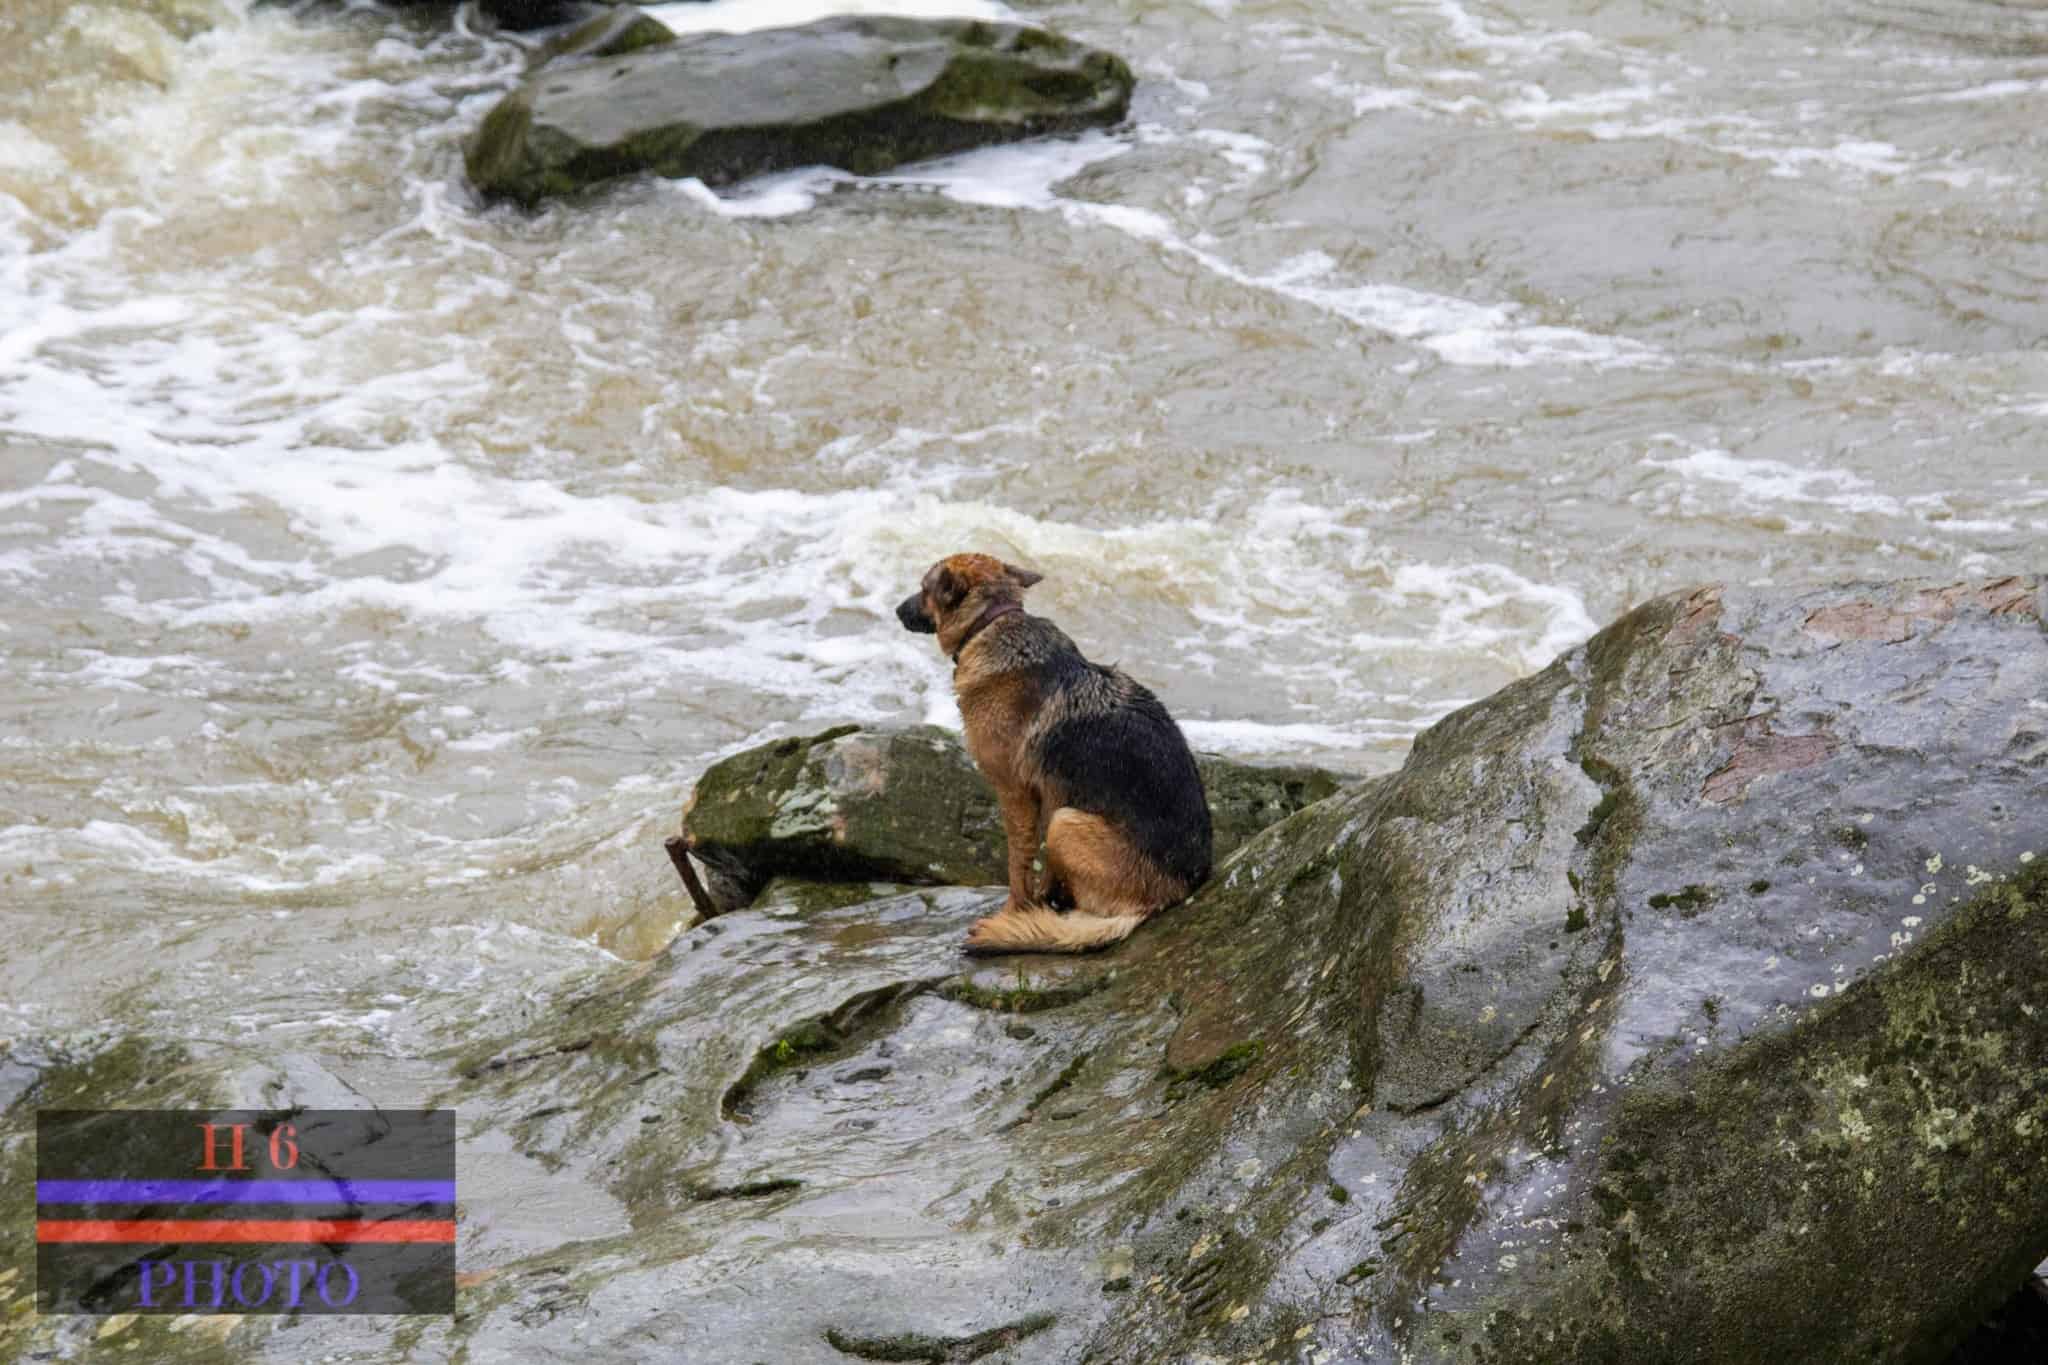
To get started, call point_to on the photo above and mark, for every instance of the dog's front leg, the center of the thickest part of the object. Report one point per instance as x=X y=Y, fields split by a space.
x=1020 y=829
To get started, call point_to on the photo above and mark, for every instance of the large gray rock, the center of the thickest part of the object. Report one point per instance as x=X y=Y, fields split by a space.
x=908 y=806
x=862 y=93
x=1683 y=1002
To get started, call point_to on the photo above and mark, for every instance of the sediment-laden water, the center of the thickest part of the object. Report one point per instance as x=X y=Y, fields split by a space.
x=380 y=568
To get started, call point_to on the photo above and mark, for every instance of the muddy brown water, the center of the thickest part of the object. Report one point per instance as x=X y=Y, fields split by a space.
x=379 y=568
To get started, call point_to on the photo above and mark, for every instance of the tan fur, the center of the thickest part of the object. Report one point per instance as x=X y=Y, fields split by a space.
x=1101 y=871
x=1034 y=929
x=996 y=714
x=986 y=579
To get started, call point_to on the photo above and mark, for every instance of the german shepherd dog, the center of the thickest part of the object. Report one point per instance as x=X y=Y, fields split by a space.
x=1082 y=758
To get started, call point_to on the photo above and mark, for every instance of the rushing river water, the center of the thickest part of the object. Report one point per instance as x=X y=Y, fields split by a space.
x=380 y=568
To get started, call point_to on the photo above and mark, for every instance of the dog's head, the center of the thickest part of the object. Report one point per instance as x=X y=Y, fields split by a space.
x=957 y=590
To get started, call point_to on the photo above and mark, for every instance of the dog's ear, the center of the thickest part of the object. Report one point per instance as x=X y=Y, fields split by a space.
x=1023 y=578
x=944 y=587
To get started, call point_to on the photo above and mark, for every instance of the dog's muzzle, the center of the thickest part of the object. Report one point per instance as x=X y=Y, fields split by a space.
x=910 y=611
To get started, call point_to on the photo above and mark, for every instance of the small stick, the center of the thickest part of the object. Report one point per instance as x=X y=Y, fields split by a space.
x=678 y=847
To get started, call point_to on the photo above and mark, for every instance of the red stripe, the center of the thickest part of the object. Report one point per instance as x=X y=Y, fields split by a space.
x=244 y=1230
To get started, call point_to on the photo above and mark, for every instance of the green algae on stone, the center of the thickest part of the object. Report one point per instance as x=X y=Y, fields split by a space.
x=796 y=1048
x=1689 y=900
x=818 y=1039
x=901 y=806
x=750 y=1189
x=1607 y=776
x=1226 y=1067
x=1059 y=1083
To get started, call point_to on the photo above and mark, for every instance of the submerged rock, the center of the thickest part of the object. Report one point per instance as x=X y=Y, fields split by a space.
x=863 y=93
x=1682 y=1002
x=908 y=806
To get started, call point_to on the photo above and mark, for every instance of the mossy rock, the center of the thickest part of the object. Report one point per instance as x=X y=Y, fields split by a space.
x=908 y=806
x=863 y=93
x=845 y=806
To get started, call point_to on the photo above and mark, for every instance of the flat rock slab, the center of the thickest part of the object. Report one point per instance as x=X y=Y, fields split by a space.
x=863 y=93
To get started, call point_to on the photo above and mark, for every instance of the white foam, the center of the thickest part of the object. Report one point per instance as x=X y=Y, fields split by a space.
x=1259 y=739
x=1017 y=175
x=1458 y=331
x=1763 y=481
x=1988 y=90
x=1468 y=31
x=746 y=16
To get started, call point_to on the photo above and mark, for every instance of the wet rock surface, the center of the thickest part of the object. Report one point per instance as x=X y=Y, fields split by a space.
x=908 y=806
x=1558 y=1044
x=862 y=93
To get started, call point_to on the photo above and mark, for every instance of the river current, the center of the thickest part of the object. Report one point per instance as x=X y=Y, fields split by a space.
x=380 y=567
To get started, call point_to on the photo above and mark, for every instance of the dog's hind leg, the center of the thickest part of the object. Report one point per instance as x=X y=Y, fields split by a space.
x=1113 y=886
x=1100 y=868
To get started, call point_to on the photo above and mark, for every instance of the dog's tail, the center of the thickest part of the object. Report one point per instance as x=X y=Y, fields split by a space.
x=1037 y=930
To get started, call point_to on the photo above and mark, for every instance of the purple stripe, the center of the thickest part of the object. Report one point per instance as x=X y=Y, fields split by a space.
x=229 y=1191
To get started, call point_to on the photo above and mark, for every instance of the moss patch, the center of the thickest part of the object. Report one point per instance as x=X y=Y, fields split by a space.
x=819 y=1039
x=1609 y=779
x=1228 y=1065
x=753 y=1189
x=806 y=1042
x=1059 y=1082
x=1687 y=902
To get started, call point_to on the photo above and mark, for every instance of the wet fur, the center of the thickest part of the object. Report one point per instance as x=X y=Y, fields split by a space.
x=1082 y=758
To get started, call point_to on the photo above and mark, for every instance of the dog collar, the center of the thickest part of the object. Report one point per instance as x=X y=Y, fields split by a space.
x=995 y=612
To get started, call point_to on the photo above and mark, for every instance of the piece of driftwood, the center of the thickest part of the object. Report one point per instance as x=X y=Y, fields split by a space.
x=678 y=847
